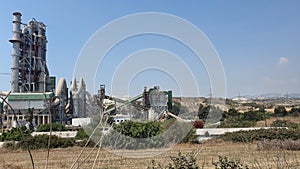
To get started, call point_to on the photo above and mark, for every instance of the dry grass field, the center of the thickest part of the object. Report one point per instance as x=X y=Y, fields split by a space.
x=272 y=119
x=206 y=154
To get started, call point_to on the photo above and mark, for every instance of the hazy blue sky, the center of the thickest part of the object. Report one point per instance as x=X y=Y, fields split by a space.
x=258 y=41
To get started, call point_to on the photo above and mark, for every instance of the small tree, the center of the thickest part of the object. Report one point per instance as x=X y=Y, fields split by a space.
x=203 y=111
x=178 y=108
x=233 y=112
x=280 y=110
x=253 y=116
x=295 y=112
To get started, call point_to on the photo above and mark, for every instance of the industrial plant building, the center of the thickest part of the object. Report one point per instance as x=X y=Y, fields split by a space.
x=34 y=93
x=37 y=98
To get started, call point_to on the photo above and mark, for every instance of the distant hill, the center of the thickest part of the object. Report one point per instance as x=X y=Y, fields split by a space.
x=271 y=95
x=294 y=95
x=274 y=95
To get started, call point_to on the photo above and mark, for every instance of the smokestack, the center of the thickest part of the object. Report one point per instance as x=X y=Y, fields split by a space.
x=15 y=52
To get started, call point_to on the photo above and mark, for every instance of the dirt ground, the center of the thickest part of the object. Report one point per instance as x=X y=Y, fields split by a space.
x=207 y=153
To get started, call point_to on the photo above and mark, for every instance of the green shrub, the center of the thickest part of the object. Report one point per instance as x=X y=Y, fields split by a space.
x=284 y=123
x=136 y=135
x=132 y=135
x=180 y=161
x=183 y=161
x=55 y=127
x=138 y=129
x=2 y=137
x=14 y=134
x=280 y=111
x=225 y=163
x=253 y=116
x=235 y=119
x=236 y=124
x=41 y=142
x=262 y=134
x=81 y=135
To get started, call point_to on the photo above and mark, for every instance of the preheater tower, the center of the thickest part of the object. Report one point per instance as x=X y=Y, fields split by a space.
x=29 y=68
x=30 y=82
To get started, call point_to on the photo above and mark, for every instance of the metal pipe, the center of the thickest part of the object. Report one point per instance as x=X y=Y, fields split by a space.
x=15 y=51
x=39 y=55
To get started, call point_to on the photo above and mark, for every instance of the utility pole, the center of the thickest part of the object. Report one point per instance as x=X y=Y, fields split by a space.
x=286 y=98
x=1 y=116
x=266 y=125
x=210 y=96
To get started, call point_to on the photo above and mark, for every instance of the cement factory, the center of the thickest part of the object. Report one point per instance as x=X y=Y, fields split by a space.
x=34 y=91
x=32 y=87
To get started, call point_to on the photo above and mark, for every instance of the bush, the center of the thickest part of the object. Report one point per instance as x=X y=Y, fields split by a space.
x=14 y=134
x=236 y=124
x=55 y=127
x=280 y=111
x=262 y=134
x=116 y=140
x=225 y=163
x=234 y=119
x=81 y=135
x=178 y=162
x=136 y=135
x=41 y=142
x=9 y=145
x=2 y=137
x=295 y=112
x=183 y=161
x=253 y=116
x=284 y=123
x=132 y=135
x=82 y=138
x=138 y=129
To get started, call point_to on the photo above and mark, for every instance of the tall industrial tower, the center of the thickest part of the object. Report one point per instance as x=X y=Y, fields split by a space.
x=32 y=89
x=29 y=68
x=31 y=86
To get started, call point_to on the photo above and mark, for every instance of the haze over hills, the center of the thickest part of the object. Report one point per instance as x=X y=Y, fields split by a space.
x=271 y=95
